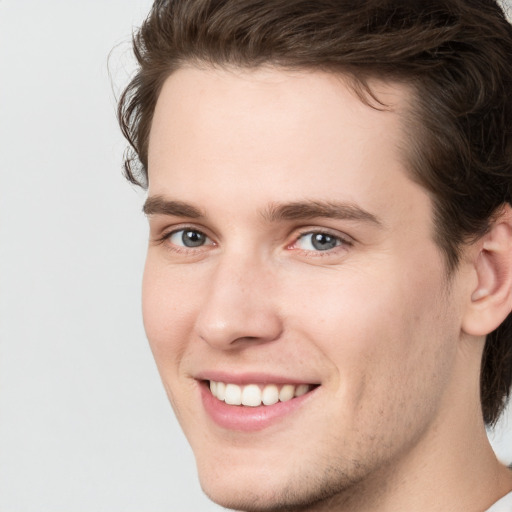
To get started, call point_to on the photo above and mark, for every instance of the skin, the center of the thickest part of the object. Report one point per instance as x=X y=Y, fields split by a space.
x=375 y=320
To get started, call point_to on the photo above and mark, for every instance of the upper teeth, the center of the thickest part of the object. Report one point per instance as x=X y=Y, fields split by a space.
x=254 y=395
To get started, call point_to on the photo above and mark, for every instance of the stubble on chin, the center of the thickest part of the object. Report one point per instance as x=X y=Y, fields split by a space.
x=331 y=489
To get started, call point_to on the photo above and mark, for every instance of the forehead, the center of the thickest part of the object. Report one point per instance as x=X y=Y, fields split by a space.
x=288 y=135
x=210 y=102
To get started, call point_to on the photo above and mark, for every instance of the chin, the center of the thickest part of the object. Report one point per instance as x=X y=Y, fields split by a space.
x=260 y=489
x=240 y=488
x=270 y=500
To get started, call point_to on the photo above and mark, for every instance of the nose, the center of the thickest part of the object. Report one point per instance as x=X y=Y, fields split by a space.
x=239 y=305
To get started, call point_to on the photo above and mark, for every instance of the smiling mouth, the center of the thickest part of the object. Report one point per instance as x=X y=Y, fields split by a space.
x=255 y=395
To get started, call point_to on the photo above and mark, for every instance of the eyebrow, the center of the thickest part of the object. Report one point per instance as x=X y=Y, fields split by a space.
x=158 y=205
x=304 y=210
x=300 y=210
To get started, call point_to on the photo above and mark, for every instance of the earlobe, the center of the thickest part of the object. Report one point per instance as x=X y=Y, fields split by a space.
x=491 y=299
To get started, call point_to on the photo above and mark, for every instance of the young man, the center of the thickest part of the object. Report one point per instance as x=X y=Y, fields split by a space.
x=329 y=273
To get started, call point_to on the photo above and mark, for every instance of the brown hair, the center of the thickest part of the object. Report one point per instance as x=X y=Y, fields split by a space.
x=456 y=55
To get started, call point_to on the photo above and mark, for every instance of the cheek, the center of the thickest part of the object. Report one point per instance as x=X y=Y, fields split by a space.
x=167 y=304
x=391 y=337
x=167 y=309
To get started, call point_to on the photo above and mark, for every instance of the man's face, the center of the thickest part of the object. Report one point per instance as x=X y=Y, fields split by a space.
x=290 y=253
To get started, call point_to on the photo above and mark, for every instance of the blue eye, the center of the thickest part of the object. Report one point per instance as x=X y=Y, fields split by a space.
x=318 y=241
x=189 y=238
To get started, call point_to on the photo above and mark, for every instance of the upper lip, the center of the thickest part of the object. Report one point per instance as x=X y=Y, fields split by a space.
x=249 y=378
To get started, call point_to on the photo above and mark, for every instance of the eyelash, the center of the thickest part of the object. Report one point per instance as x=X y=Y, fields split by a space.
x=342 y=242
x=166 y=237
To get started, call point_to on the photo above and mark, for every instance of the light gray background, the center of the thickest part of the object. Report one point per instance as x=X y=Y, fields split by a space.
x=84 y=422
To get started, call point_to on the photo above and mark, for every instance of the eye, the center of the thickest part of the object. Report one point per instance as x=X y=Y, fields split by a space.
x=189 y=238
x=317 y=241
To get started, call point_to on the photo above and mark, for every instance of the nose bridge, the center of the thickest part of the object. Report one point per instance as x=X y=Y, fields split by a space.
x=238 y=305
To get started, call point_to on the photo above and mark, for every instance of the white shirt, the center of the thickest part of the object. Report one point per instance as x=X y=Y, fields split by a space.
x=502 y=505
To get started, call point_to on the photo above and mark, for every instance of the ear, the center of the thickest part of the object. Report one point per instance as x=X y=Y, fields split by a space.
x=491 y=299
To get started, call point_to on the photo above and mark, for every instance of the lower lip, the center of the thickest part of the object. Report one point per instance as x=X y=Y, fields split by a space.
x=249 y=419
